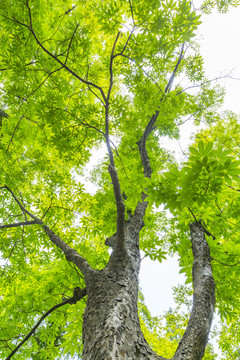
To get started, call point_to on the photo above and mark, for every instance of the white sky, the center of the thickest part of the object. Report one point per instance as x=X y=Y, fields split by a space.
x=218 y=34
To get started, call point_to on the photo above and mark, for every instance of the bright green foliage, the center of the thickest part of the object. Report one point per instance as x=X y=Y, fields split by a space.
x=206 y=188
x=200 y=181
x=222 y=5
x=54 y=84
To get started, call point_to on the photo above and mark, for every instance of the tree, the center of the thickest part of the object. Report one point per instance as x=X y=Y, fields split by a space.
x=76 y=76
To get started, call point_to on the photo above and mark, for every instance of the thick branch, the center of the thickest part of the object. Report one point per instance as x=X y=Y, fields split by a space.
x=142 y=146
x=119 y=203
x=112 y=170
x=194 y=340
x=78 y=294
x=7 y=226
x=141 y=207
x=116 y=184
x=70 y=254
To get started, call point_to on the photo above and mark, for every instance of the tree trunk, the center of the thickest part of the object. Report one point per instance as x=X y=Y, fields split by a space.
x=111 y=328
x=193 y=343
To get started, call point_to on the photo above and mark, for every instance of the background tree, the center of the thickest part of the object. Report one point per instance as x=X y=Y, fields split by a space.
x=75 y=77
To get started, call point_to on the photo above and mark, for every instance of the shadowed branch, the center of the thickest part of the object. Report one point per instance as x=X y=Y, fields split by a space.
x=63 y=64
x=70 y=254
x=7 y=226
x=78 y=294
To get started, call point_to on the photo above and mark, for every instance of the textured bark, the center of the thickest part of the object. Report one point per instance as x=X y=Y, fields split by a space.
x=194 y=340
x=111 y=328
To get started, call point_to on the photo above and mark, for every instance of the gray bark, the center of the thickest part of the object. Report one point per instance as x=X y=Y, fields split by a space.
x=194 y=340
x=111 y=328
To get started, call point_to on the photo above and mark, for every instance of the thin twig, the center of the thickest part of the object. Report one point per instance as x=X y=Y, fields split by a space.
x=70 y=43
x=111 y=67
x=202 y=84
x=45 y=213
x=170 y=82
x=220 y=262
x=38 y=87
x=131 y=8
x=144 y=71
x=15 y=129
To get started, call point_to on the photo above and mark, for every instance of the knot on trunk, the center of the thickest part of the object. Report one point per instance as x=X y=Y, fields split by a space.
x=110 y=241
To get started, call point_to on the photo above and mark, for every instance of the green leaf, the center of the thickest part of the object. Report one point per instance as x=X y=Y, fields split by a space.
x=194 y=151
x=201 y=147
x=208 y=148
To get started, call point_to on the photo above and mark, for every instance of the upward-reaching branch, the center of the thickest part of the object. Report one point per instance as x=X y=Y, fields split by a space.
x=70 y=254
x=141 y=207
x=172 y=77
x=194 y=340
x=151 y=124
x=112 y=170
x=111 y=67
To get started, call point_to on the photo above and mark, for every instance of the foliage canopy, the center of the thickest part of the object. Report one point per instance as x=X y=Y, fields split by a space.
x=75 y=76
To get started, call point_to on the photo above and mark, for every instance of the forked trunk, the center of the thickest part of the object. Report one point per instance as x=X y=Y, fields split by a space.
x=111 y=328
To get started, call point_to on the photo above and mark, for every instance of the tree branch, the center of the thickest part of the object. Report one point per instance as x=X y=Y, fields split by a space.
x=83 y=122
x=15 y=129
x=52 y=72
x=140 y=67
x=170 y=82
x=151 y=124
x=120 y=241
x=30 y=28
x=78 y=294
x=131 y=8
x=111 y=67
x=70 y=254
x=7 y=226
x=194 y=340
x=141 y=206
x=25 y=211
x=203 y=83
x=220 y=262
x=70 y=43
